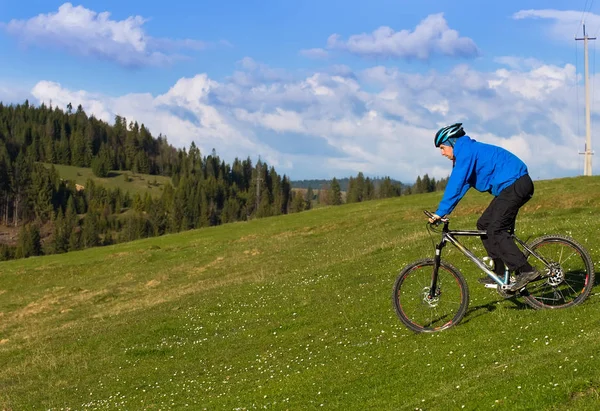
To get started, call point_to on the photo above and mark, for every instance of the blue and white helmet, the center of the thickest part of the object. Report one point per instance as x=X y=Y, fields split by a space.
x=449 y=132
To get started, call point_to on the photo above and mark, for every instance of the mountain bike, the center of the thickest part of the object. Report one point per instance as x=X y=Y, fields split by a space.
x=432 y=295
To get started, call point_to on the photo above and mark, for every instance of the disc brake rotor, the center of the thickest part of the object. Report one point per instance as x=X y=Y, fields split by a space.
x=427 y=299
x=556 y=274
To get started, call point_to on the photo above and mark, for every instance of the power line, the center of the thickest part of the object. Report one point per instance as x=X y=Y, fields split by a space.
x=582 y=17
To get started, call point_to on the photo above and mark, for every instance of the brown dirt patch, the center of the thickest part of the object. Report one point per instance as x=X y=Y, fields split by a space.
x=210 y=265
x=152 y=283
x=249 y=237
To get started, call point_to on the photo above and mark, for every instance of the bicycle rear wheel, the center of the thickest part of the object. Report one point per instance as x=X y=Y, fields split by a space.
x=413 y=304
x=568 y=277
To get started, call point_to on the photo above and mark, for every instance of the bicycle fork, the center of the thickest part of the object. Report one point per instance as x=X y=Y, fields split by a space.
x=436 y=267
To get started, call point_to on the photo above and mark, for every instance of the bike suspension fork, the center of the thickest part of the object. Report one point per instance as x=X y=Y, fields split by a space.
x=436 y=266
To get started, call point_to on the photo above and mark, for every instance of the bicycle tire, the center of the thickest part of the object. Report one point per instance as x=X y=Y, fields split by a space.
x=421 y=314
x=569 y=280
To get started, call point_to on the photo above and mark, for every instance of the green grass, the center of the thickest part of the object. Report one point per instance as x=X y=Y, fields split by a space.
x=293 y=312
x=136 y=184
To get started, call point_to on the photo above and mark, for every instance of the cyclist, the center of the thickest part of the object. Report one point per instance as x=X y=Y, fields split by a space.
x=488 y=168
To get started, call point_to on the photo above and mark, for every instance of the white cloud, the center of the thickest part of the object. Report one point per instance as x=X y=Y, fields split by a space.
x=519 y=63
x=253 y=73
x=380 y=121
x=431 y=36
x=52 y=93
x=279 y=121
x=537 y=84
x=14 y=94
x=84 y=32
x=182 y=115
x=565 y=23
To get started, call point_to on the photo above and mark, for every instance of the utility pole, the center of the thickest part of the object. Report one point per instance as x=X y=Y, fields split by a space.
x=258 y=180
x=587 y=165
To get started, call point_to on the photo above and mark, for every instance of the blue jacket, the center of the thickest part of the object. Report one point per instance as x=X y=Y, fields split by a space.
x=485 y=167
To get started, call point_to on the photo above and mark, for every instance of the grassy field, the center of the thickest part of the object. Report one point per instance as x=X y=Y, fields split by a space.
x=135 y=183
x=294 y=312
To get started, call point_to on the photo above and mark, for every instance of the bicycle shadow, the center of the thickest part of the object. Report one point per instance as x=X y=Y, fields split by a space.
x=479 y=310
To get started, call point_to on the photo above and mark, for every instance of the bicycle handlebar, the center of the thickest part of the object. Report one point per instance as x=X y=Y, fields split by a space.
x=441 y=220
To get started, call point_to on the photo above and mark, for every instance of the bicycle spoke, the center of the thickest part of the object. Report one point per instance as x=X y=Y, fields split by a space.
x=568 y=284
x=568 y=272
x=561 y=261
x=423 y=310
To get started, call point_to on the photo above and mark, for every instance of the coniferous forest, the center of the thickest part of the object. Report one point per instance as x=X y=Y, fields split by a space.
x=54 y=215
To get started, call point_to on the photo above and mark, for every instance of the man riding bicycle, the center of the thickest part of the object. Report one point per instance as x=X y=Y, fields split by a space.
x=488 y=168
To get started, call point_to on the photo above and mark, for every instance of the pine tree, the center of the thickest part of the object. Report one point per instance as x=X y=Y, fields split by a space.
x=35 y=240
x=98 y=167
x=418 y=188
x=309 y=198
x=335 y=194
x=21 y=180
x=388 y=189
x=158 y=217
x=78 y=149
x=60 y=238
x=63 y=154
x=264 y=207
x=352 y=193
x=360 y=187
x=141 y=164
x=90 y=232
x=298 y=202
x=231 y=211
x=369 y=190
x=426 y=184
x=75 y=240
x=29 y=243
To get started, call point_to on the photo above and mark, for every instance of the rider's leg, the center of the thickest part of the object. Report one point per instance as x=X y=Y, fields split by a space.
x=499 y=218
x=506 y=209
x=482 y=224
x=490 y=244
x=508 y=204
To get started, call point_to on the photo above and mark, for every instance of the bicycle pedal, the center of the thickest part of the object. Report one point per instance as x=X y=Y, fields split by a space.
x=493 y=286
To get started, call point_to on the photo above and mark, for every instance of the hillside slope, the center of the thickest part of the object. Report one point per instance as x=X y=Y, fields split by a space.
x=293 y=312
x=127 y=181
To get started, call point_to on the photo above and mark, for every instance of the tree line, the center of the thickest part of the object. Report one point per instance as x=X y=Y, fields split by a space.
x=205 y=190
x=54 y=216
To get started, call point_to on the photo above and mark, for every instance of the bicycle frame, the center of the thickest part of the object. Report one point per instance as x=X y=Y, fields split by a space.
x=449 y=236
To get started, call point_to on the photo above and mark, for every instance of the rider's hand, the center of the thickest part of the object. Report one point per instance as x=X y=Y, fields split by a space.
x=434 y=218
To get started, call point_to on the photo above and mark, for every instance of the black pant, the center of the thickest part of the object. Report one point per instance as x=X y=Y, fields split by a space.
x=500 y=217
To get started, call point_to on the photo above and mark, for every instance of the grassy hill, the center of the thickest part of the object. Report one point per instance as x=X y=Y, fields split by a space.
x=134 y=183
x=293 y=312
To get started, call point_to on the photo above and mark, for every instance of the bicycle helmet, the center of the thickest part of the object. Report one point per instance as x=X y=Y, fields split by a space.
x=448 y=133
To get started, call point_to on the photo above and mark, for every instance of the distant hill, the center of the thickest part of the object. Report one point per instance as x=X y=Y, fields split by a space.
x=324 y=183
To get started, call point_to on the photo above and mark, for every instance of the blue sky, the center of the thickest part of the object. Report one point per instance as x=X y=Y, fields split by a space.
x=316 y=88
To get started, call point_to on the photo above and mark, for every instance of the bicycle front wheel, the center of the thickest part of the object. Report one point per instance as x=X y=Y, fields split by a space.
x=567 y=269
x=413 y=302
